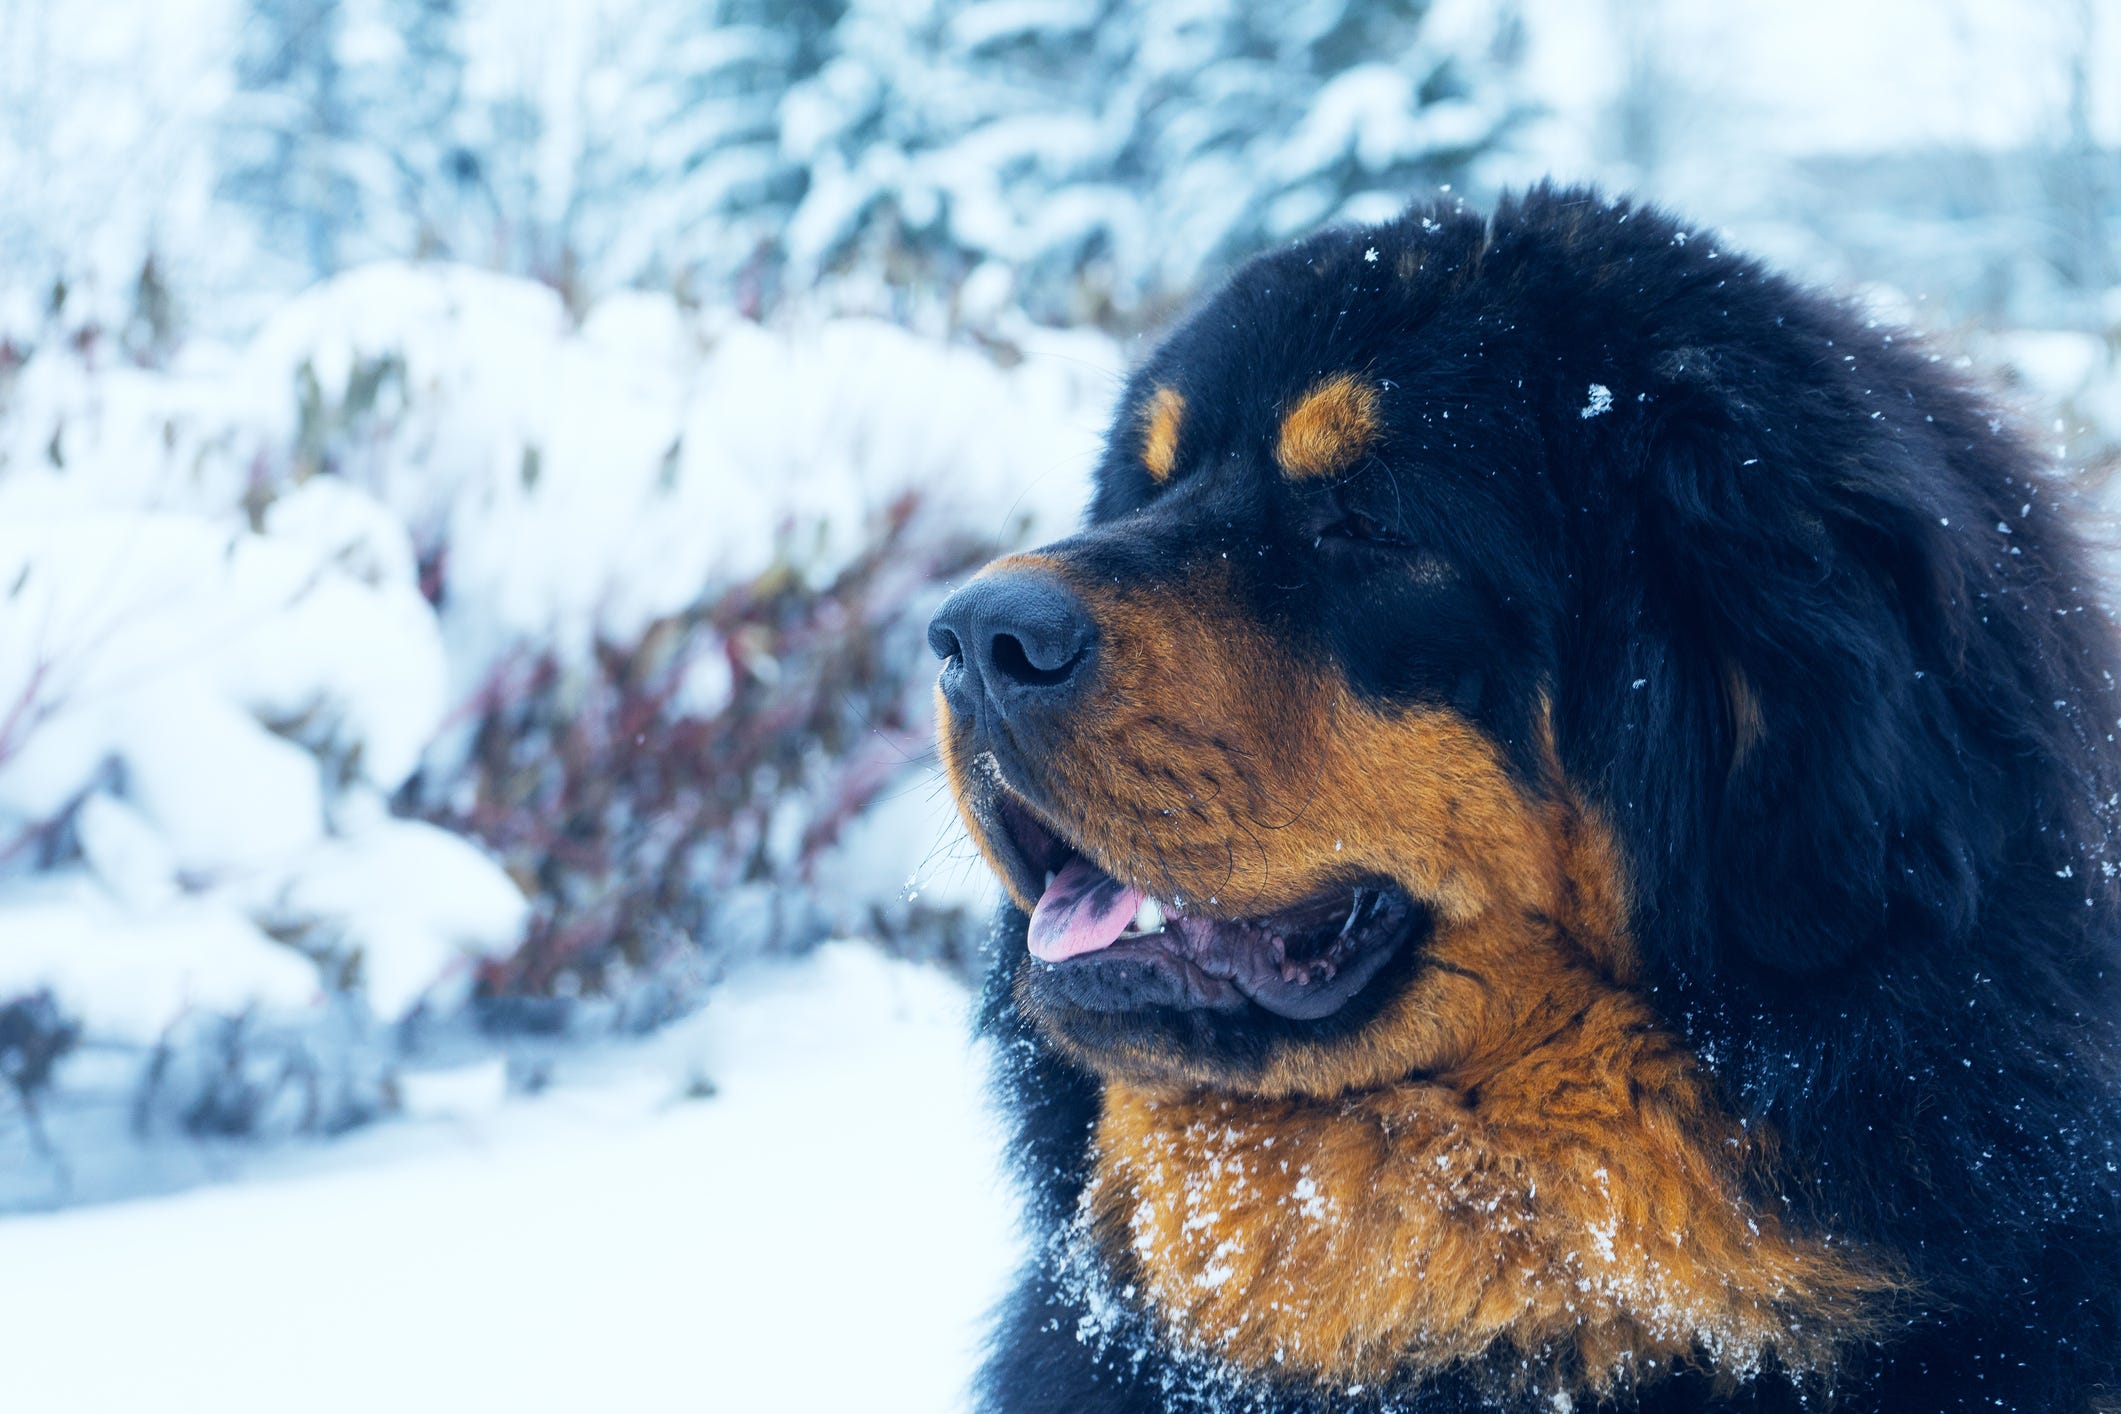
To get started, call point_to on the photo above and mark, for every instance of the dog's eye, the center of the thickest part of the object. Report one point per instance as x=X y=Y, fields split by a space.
x=1356 y=530
x=1363 y=530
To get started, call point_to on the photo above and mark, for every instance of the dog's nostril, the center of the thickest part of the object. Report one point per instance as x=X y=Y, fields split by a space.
x=943 y=642
x=1016 y=662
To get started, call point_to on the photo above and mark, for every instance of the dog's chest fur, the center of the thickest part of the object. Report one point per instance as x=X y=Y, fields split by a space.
x=1578 y=1200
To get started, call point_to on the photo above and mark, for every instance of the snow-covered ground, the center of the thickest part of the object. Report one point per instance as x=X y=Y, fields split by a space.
x=823 y=1232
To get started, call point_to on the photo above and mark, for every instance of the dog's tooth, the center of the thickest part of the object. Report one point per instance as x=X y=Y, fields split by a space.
x=1354 y=910
x=1149 y=917
x=1051 y=875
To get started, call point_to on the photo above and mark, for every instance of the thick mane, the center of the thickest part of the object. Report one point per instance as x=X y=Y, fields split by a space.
x=1843 y=680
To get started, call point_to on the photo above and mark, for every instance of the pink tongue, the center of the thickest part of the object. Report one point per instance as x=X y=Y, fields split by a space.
x=1082 y=910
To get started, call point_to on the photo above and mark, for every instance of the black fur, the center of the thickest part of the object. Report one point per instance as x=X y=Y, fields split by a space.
x=1889 y=929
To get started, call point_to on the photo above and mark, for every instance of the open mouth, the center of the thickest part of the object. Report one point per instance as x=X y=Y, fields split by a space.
x=1111 y=946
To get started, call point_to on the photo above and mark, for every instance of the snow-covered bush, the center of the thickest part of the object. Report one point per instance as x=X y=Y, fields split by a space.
x=671 y=799
x=205 y=717
x=430 y=643
x=204 y=721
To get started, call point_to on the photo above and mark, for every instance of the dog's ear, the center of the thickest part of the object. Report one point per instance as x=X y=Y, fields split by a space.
x=1757 y=686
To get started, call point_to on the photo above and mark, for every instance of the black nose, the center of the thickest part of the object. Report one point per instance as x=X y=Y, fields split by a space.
x=1016 y=643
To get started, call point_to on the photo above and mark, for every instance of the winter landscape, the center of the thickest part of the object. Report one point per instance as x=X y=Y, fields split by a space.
x=480 y=922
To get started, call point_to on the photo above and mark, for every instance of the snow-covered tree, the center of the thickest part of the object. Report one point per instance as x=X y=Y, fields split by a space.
x=1093 y=157
x=1108 y=153
x=290 y=130
x=628 y=141
x=345 y=139
x=410 y=109
x=683 y=176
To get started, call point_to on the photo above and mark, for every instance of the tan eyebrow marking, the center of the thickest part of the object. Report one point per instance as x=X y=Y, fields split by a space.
x=1329 y=427
x=1160 y=418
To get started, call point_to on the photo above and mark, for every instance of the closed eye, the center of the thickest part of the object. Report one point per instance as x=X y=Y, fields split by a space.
x=1356 y=532
x=1361 y=529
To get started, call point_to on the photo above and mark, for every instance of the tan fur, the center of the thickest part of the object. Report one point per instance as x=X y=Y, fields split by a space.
x=1747 y=727
x=1513 y=1150
x=1330 y=427
x=957 y=769
x=1160 y=423
x=1549 y=1171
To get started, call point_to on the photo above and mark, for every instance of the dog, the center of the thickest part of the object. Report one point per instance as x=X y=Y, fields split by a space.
x=1558 y=820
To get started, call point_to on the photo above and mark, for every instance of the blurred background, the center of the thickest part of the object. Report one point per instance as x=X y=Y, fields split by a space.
x=479 y=919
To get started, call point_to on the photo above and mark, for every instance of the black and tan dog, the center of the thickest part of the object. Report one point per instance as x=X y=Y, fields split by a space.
x=1560 y=820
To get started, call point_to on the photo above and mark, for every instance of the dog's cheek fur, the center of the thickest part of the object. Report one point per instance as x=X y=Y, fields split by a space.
x=1217 y=766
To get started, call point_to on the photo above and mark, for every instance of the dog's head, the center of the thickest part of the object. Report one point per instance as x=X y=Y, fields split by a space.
x=1458 y=610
